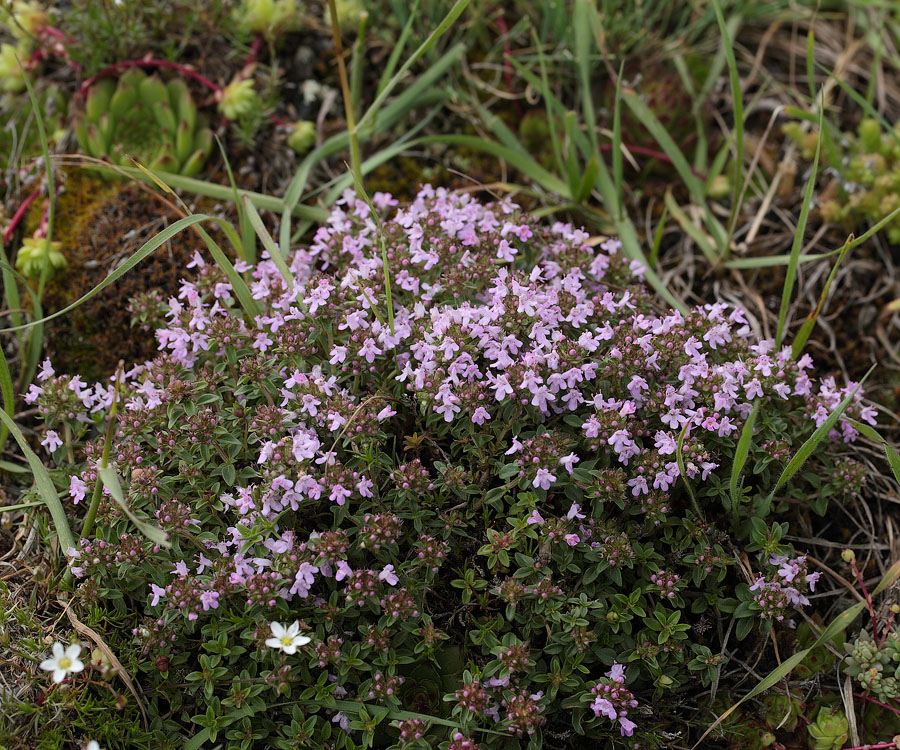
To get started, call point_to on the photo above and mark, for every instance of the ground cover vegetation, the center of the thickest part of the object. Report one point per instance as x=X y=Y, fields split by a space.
x=449 y=375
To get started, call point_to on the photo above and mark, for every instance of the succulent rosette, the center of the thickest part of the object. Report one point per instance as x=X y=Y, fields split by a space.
x=141 y=118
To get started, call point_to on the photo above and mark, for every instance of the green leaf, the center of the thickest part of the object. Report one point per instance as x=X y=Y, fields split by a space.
x=806 y=450
x=455 y=12
x=110 y=480
x=737 y=98
x=197 y=741
x=807 y=328
x=9 y=399
x=797 y=245
x=277 y=254
x=740 y=456
x=837 y=625
x=44 y=483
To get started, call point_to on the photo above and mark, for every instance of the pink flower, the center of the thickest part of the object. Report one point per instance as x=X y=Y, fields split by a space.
x=602 y=707
x=157 y=593
x=574 y=512
x=569 y=462
x=77 y=489
x=209 y=600
x=52 y=441
x=481 y=415
x=388 y=576
x=544 y=479
x=516 y=447
x=343 y=570
x=535 y=517
x=46 y=372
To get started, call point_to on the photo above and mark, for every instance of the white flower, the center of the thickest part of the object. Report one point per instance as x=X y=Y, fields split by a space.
x=93 y=744
x=286 y=639
x=63 y=661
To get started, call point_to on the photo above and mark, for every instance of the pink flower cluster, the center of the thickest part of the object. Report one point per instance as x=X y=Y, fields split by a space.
x=613 y=700
x=780 y=591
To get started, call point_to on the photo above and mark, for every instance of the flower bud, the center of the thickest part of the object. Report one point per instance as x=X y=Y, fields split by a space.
x=848 y=556
x=302 y=137
x=238 y=98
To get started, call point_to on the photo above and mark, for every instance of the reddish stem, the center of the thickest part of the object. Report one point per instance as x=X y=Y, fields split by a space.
x=864 y=697
x=18 y=216
x=57 y=34
x=278 y=121
x=34 y=57
x=865 y=591
x=125 y=65
x=878 y=746
x=254 y=50
x=45 y=222
x=887 y=629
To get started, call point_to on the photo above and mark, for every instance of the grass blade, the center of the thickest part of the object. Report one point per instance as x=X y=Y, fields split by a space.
x=693 y=183
x=797 y=245
x=581 y=24
x=146 y=249
x=617 y=142
x=525 y=164
x=658 y=236
x=691 y=229
x=275 y=253
x=44 y=484
x=420 y=93
x=679 y=457
x=737 y=97
x=224 y=193
x=458 y=7
x=9 y=398
x=399 y=46
x=740 y=457
x=248 y=239
x=807 y=328
x=806 y=450
x=110 y=480
x=837 y=625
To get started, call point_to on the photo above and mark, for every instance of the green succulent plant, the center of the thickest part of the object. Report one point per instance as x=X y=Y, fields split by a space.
x=867 y=169
x=142 y=118
x=34 y=255
x=12 y=79
x=782 y=711
x=875 y=665
x=829 y=730
x=268 y=17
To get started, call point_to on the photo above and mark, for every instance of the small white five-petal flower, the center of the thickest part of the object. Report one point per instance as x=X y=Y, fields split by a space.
x=63 y=661
x=92 y=745
x=286 y=639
